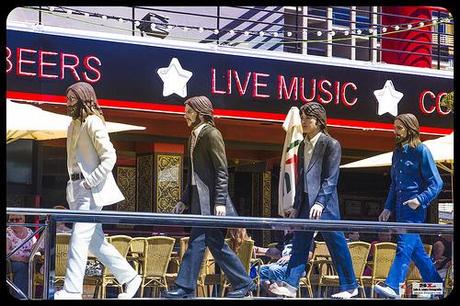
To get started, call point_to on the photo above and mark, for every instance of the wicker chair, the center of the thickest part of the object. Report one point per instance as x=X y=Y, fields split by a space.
x=321 y=261
x=157 y=254
x=384 y=254
x=359 y=250
x=183 y=245
x=62 y=249
x=413 y=274
x=257 y=263
x=449 y=281
x=177 y=260
x=122 y=244
x=245 y=254
x=136 y=253
x=305 y=282
x=207 y=277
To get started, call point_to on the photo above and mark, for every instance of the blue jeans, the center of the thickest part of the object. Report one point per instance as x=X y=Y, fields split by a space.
x=20 y=276
x=338 y=248
x=410 y=247
x=272 y=272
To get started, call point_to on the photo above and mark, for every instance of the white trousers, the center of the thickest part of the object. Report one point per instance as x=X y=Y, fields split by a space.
x=90 y=236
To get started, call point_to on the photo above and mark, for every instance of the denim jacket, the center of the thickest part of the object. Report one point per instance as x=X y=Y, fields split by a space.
x=413 y=175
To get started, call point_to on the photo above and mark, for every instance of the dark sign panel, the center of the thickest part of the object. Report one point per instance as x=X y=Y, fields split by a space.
x=40 y=66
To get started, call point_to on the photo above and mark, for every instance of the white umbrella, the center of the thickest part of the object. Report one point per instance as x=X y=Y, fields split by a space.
x=25 y=121
x=441 y=148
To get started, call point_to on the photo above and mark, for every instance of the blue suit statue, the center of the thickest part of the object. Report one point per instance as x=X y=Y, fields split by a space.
x=415 y=183
x=316 y=198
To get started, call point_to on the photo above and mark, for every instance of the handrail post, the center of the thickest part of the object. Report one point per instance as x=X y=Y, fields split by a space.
x=50 y=259
x=31 y=263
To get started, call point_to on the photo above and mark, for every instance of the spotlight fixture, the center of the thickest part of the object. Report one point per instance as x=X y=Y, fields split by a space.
x=159 y=28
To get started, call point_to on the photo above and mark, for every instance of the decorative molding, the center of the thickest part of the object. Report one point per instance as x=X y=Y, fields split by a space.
x=266 y=203
x=168 y=181
x=126 y=180
x=256 y=194
x=267 y=193
x=144 y=167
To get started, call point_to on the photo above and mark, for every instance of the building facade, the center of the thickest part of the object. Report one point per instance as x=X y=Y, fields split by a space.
x=254 y=63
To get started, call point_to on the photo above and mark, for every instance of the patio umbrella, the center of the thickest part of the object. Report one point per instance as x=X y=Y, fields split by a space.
x=441 y=148
x=288 y=166
x=25 y=121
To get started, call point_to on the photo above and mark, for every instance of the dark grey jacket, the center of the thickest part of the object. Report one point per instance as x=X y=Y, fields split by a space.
x=211 y=174
x=321 y=177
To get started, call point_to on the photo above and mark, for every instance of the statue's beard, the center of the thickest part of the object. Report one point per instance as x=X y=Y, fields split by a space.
x=195 y=123
x=400 y=140
x=73 y=111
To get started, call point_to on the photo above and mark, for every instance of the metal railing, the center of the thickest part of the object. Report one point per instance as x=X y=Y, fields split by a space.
x=142 y=218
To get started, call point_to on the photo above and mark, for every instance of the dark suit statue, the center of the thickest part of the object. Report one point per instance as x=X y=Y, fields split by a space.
x=211 y=174
x=206 y=193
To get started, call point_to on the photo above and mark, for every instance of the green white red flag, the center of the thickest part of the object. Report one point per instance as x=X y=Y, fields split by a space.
x=289 y=160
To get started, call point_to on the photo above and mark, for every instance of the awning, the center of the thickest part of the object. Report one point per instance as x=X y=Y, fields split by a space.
x=25 y=121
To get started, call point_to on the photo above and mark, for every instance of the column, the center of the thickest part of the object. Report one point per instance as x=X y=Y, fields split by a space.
x=266 y=204
x=144 y=177
x=159 y=176
x=167 y=176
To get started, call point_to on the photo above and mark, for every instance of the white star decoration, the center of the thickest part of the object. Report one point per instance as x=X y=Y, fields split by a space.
x=174 y=79
x=388 y=98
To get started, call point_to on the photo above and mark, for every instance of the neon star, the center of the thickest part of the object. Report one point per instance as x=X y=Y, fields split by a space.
x=174 y=79
x=388 y=98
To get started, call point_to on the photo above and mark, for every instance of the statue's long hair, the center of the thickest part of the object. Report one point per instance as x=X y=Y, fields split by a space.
x=412 y=126
x=86 y=100
x=203 y=106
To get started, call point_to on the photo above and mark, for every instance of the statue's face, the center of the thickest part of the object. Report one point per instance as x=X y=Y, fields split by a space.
x=72 y=107
x=400 y=131
x=309 y=124
x=191 y=116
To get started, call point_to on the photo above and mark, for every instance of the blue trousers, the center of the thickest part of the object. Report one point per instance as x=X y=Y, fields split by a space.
x=214 y=239
x=410 y=247
x=228 y=261
x=338 y=248
x=272 y=272
x=20 y=272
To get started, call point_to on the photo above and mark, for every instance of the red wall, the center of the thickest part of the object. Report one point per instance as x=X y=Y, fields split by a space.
x=420 y=39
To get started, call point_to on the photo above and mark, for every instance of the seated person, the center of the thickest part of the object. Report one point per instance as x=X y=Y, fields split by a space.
x=441 y=262
x=352 y=236
x=274 y=272
x=15 y=236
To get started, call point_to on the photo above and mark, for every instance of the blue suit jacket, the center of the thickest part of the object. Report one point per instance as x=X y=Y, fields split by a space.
x=320 y=178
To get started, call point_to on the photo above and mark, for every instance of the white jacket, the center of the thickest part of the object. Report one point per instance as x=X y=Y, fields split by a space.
x=96 y=158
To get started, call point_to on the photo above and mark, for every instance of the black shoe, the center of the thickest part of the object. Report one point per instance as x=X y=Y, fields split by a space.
x=242 y=292
x=179 y=293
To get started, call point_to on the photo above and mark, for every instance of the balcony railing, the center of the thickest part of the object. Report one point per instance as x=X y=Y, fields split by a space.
x=352 y=32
